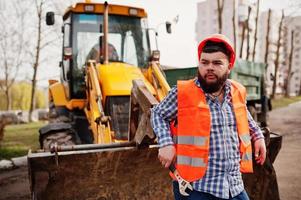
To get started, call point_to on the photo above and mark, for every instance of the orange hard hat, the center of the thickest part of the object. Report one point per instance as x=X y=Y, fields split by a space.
x=218 y=38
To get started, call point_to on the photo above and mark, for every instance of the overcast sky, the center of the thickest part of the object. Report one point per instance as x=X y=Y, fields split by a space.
x=179 y=48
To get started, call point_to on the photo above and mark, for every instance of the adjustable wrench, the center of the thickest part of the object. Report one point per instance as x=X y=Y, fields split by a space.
x=183 y=184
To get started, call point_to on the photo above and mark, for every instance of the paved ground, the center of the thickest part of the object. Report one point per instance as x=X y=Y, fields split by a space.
x=285 y=121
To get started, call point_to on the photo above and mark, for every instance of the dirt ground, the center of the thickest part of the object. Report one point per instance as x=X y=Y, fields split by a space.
x=284 y=121
x=14 y=184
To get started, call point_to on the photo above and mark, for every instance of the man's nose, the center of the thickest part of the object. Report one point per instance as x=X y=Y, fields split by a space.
x=210 y=67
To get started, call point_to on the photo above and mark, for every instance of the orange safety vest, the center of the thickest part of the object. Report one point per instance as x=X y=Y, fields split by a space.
x=193 y=132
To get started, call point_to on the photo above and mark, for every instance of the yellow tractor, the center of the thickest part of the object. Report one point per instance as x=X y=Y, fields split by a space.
x=99 y=143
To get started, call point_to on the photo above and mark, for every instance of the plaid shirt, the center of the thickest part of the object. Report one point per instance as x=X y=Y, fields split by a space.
x=223 y=175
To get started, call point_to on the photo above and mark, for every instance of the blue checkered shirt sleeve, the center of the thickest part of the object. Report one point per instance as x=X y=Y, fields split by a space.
x=255 y=131
x=162 y=115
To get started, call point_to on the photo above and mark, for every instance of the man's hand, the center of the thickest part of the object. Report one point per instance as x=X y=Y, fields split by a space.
x=166 y=155
x=260 y=151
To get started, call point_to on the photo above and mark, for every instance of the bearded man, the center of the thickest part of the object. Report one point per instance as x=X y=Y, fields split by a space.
x=204 y=128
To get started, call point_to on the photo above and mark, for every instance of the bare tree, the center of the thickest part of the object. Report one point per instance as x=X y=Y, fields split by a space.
x=220 y=8
x=44 y=39
x=277 y=56
x=248 y=33
x=290 y=60
x=245 y=26
x=256 y=27
x=11 y=46
x=234 y=24
x=242 y=39
x=39 y=10
x=299 y=88
x=267 y=39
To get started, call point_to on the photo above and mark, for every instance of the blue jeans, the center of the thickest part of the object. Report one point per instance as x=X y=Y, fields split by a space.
x=196 y=195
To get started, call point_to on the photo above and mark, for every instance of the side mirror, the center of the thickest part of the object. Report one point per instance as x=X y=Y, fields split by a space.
x=168 y=27
x=50 y=18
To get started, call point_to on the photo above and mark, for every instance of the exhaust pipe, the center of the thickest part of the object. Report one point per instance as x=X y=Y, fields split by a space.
x=105 y=49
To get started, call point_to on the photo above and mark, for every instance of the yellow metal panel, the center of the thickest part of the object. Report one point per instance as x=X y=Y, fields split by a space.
x=76 y=103
x=57 y=94
x=116 y=79
x=101 y=132
x=99 y=9
x=159 y=81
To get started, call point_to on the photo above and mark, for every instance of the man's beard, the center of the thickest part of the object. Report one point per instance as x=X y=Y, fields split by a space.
x=214 y=86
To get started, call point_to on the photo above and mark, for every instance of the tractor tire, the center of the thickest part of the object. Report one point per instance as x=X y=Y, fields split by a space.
x=57 y=114
x=52 y=112
x=62 y=138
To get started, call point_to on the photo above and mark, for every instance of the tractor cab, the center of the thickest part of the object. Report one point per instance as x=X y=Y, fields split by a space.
x=85 y=39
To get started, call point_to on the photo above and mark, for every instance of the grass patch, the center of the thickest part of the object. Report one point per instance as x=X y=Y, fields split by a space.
x=284 y=101
x=18 y=139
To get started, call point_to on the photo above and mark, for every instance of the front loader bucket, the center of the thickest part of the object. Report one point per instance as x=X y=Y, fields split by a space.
x=112 y=173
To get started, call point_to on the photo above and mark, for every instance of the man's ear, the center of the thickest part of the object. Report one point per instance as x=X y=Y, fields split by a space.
x=229 y=67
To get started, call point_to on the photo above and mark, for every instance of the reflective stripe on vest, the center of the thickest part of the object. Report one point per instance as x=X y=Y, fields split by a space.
x=194 y=125
x=189 y=140
x=194 y=162
x=245 y=138
x=246 y=156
